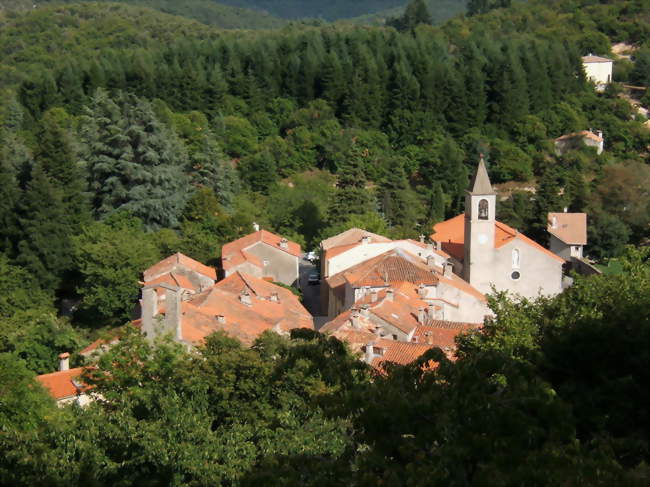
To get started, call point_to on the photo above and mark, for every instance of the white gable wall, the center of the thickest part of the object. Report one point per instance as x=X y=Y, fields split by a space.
x=599 y=73
x=539 y=272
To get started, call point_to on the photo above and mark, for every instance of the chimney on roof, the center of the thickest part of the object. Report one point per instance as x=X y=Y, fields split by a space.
x=221 y=319
x=275 y=297
x=173 y=312
x=355 y=319
x=422 y=290
x=149 y=310
x=256 y=227
x=284 y=243
x=64 y=361
x=245 y=298
x=373 y=296
x=422 y=238
x=365 y=310
x=448 y=269
x=431 y=311
x=566 y=209
x=431 y=261
x=428 y=338
x=422 y=315
x=365 y=239
x=370 y=352
x=390 y=294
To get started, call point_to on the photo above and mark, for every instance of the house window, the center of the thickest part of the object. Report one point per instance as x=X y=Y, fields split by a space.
x=515 y=258
x=266 y=262
x=483 y=212
x=394 y=337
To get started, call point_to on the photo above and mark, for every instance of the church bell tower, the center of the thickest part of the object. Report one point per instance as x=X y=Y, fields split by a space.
x=480 y=209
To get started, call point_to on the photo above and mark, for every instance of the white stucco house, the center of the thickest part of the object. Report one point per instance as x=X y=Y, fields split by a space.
x=598 y=70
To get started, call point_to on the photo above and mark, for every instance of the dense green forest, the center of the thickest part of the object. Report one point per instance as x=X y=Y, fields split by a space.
x=127 y=134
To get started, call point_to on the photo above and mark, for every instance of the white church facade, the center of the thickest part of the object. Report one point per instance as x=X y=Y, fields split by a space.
x=490 y=253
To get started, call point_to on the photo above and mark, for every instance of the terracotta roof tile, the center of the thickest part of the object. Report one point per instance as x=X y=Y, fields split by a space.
x=168 y=264
x=393 y=266
x=61 y=384
x=571 y=228
x=234 y=253
x=271 y=307
x=351 y=236
x=401 y=353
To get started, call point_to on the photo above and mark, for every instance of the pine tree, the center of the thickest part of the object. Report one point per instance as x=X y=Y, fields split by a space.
x=45 y=230
x=352 y=196
x=135 y=163
x=416 y=13
x=58 y=159
x=10 y=194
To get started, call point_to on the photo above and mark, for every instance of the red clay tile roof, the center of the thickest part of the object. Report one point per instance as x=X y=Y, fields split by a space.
x=174 y=279
x=242 y=321
x=234 y=253
x=60 y=384
x=351 y=236
x=571 y=228
x=585 y=134
x=451 y=235
x=393 y=266
x=168 y=264
x=401 y=353
x=595 y=59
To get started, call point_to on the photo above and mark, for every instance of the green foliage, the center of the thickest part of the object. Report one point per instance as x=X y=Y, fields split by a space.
x=135 y=163
x=111 y=256
x=416 y=13
x=23 y=403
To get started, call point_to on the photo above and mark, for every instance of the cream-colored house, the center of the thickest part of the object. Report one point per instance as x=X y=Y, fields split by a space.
x=568 y=234
x=598 y=70
x=577 y=140
x=493 y=254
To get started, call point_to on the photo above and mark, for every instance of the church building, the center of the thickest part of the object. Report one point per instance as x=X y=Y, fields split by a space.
x=489 y=253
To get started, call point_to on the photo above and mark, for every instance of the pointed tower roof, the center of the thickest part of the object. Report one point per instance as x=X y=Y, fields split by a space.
x=481 y=181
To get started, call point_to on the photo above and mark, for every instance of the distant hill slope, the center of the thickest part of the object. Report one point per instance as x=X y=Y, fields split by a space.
x=41 y=38
x=205 y=11
x=440 y=10
x=327 y=10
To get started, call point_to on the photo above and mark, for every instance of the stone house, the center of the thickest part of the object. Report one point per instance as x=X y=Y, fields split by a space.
x=240 y=305
x=265 y=255
x=454 y=299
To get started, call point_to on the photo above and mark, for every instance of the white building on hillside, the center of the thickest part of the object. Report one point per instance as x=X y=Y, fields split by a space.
x=598 y=70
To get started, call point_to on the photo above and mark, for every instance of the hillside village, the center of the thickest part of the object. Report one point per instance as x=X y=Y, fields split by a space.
x=298 y=243
x=389 y=300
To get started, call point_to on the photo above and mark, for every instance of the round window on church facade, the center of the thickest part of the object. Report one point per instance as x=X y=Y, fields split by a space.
x=515 y=275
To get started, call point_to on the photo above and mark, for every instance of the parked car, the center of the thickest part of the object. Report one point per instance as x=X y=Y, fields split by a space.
x=311 y=256
x=313 y=279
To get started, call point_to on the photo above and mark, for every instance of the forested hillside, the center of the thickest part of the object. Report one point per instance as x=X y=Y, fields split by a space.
x=128 y=134
x=205 y=11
